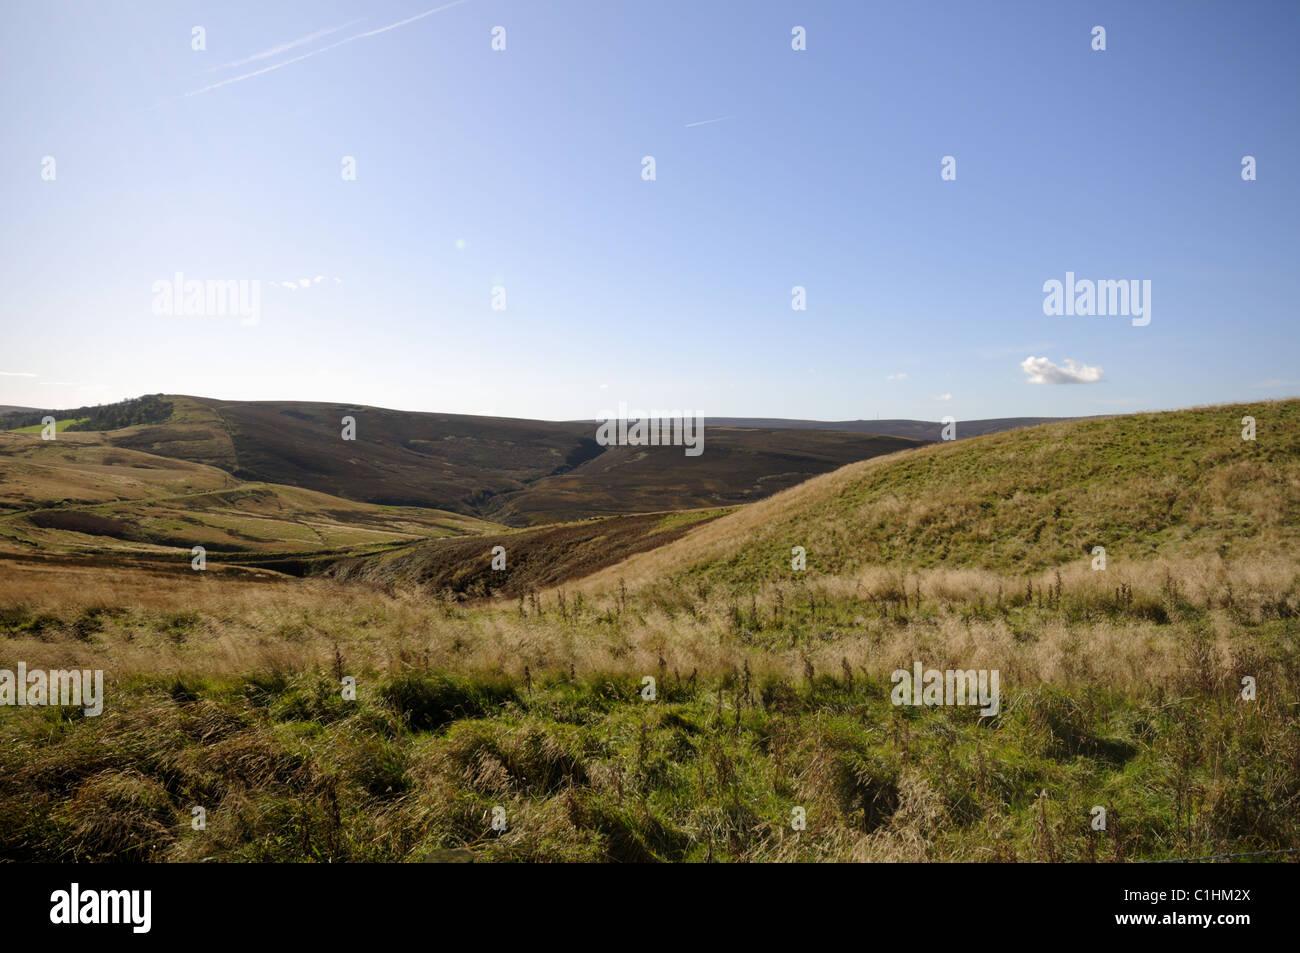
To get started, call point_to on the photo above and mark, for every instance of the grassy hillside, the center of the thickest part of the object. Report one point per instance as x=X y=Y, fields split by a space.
x=928 y=431
x=193 y=432
x=534 y=558
x=587 y=771
x=737 y=466
x=398 y=458
x=85 y=469
x=224 y=692
x=59 y=425
x=1172 y=484
x=81 y=493
x=1121 y=689
x=151 y=408
x=518 y=472
x=255 y=517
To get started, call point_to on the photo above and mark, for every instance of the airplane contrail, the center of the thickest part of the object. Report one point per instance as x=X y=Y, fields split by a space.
x=310 y=37
x=323 y=49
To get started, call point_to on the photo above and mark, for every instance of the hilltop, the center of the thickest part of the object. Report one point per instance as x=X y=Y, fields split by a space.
x=926 y=430
x=80 y=494
x=517 y=472
x=1182 y=482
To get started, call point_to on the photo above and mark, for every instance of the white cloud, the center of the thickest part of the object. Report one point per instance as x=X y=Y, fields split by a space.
x=706 y=122
x=15 y=374
x=900 y=376
x=942 y=397
x=1043 y=371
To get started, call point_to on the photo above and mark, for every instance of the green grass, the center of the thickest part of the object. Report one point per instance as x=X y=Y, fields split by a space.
x=1119 y=689
x=587 y=770
x=536 y=557
x=59 y=425
x=1142 y=486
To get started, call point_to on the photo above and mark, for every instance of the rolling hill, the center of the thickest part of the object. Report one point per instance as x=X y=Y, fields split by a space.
x=535 y=558
x=81 y=494
x=772 y=688
x=1142 y=486
x=275 y=482
x=927 y=430
x=511 y=471
x=737 y=466
x=518 y=472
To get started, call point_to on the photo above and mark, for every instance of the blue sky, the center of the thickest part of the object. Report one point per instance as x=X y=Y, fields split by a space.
x=522 y=169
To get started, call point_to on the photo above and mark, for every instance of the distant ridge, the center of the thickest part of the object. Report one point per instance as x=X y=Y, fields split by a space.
x=929 y=431
x=913 y=429
x=511 y=471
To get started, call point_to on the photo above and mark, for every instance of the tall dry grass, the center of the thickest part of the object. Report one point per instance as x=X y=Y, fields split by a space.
x=1126 y=628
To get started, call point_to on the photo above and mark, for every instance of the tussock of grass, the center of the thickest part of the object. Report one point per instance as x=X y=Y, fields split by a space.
x=710 y=770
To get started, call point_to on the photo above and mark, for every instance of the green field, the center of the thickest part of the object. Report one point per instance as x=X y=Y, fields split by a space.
x=59 y=425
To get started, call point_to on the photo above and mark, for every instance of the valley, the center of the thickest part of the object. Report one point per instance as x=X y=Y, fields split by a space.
x=500 y=644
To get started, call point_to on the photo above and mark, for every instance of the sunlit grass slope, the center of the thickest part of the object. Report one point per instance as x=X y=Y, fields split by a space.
x=1182 y=484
